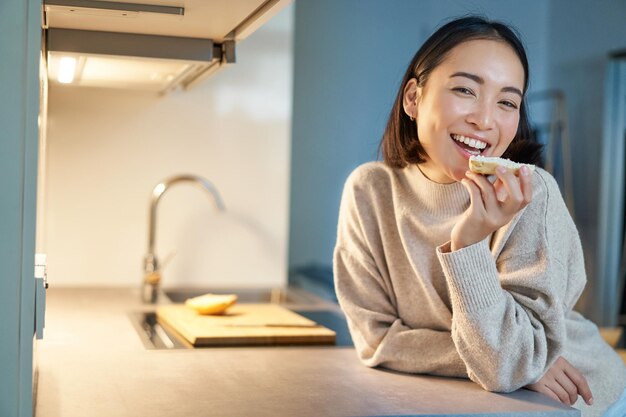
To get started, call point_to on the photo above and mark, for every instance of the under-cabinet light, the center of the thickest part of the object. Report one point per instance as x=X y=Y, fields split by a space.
x=67 y=70
x=134 y=61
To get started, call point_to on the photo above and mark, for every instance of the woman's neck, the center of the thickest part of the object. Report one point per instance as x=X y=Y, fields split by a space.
x=432 y=173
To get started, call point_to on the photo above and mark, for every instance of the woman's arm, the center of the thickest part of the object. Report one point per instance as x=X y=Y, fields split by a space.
x=379 y=336
x=509 y=293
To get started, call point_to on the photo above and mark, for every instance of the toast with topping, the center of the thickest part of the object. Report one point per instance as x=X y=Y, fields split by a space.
x=487 y=165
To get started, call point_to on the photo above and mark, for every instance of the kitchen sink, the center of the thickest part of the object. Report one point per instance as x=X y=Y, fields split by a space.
x=255 y=295
x=323 y=312
x=155 y=336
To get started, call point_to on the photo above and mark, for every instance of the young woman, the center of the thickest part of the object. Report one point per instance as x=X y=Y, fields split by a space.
x=446 y=272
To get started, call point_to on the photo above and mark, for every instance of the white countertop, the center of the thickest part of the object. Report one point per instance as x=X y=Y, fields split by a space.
x=92 y=362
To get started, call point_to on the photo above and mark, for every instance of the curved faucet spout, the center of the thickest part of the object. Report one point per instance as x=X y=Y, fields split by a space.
x=152 y=276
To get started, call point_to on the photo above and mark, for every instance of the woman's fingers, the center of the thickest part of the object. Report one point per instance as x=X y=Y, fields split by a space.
x=512 y=185
x=526 y=182
x=543 y=389
x=501 y=193
x=487 y=189
x=559 y=391
x=474 y=192
x=568 y=386
x=491 y=206
x=563 y=383
x=547 y=391
x=571 y=380
x=549 y=386
x=580 y=382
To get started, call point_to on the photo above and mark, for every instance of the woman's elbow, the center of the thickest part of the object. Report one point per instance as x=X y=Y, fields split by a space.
x=502 y=382
x=496 y=385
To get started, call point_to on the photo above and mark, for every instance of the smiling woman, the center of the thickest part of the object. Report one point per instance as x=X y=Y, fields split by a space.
x=466 y=108
x=445 y=271
x=457 y=63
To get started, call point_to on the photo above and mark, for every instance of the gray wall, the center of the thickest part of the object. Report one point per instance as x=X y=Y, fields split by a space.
x=350 y=56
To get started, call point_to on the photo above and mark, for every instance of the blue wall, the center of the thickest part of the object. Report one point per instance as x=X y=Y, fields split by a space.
x=349 y=59
x=581 y=35
x=350 y=56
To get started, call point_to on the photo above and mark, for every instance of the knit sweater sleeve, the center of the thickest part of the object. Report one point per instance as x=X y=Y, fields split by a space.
x=509 y=294
x=380 y=336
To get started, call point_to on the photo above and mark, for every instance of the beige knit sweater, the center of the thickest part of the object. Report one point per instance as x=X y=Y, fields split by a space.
x=499 y=312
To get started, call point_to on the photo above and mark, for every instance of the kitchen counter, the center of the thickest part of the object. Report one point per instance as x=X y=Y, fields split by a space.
x=92 y=362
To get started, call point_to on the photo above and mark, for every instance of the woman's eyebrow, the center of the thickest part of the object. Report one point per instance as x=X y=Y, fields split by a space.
x=479 y=80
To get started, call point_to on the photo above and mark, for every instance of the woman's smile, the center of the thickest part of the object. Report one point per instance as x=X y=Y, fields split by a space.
x=469 y=145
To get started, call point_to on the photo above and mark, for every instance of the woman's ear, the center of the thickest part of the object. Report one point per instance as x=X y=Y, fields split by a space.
x=409 y=100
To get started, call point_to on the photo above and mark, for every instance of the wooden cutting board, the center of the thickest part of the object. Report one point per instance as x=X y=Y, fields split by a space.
x=244 y=324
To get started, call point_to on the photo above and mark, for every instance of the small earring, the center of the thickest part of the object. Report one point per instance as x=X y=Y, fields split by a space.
x=412 y=118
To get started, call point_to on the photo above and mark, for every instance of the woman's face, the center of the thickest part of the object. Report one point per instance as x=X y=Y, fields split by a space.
x=474 y=96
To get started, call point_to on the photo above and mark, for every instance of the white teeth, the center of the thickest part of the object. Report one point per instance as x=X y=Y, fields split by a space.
x=474 y=143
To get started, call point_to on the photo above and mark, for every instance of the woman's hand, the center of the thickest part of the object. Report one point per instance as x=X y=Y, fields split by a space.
x=491 y=205
x=563 y=383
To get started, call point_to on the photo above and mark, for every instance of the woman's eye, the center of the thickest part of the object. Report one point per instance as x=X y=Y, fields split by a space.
x=464 y=91
x=509 y=104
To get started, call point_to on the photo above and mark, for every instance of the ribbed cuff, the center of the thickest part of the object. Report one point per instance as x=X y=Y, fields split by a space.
x=472 y=276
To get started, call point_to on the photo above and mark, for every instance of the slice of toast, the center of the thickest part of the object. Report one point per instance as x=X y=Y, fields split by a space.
x=211 y=303
x=487 y=165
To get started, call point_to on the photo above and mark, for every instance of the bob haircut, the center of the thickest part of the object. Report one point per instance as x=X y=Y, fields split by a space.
x=400 y=145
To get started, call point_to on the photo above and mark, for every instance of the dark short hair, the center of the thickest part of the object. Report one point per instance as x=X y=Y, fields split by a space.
x=400 y=144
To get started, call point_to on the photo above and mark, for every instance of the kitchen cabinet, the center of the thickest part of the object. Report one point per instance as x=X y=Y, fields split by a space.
x=148 y=45
x=207 y=19
x=19 y=87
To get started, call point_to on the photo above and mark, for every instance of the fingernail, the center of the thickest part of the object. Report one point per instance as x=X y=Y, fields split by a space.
x=501 y=169
x=524 y=170
x=590 y=401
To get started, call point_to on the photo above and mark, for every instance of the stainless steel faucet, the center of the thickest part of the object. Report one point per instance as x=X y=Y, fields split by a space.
x=152 y=274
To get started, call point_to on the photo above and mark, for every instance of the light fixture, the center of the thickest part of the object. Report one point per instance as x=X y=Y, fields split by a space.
x=128 y=60
x=132 y=61
x=67 y=68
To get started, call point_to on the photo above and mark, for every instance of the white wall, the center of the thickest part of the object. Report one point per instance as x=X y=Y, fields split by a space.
x=108 y=148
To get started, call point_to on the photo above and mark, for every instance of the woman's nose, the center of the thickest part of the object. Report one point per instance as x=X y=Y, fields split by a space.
x=481 y=115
